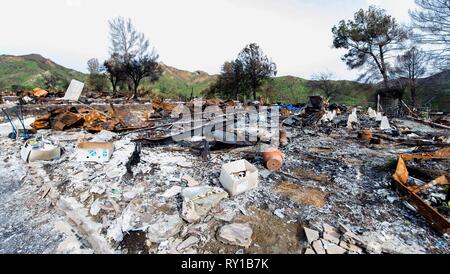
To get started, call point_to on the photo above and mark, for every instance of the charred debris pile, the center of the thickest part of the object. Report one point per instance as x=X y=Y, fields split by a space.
x=114 y=176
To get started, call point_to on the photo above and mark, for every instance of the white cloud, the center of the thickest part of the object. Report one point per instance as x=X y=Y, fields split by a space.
x=192 y=35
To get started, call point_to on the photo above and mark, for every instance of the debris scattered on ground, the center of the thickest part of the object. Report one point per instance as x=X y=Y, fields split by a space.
x=148 y=193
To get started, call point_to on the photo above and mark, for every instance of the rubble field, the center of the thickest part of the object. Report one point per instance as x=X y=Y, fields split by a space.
x=334 y=193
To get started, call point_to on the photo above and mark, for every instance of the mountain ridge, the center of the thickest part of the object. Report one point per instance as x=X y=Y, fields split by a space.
x=26 y=72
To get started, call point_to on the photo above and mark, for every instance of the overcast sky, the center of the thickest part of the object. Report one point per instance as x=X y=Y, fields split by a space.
x=188 y=34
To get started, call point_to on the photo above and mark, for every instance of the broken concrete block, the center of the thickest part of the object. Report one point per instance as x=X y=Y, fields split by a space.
x=225 y=213
x=330 y=237
x=309 y=251
x=332 y=248
x=34 y=150
x=84 y=225
x=99 y=152
x=198 y=201
x=190 y=181
x=164 y=228
x=236 y=234
x=331 y=234
x=352 y=238
x=311 y=235
x=351 y=247
x=355 y=249
x=185 y=163
x=330 y=229
x=318 y=247
x=343 y=228
x=373 y=247
x=238 y=177
x=172 y=192
x=190 y=241
x=95 y=207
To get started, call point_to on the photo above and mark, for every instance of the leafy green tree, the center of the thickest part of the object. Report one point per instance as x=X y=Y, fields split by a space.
x=370 y=38
x=232 y=82
x=114 y=71
x=130 y=49
x=257 y=66
x=138 y=68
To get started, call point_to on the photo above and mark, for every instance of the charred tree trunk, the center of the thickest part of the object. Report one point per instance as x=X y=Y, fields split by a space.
x=413 y=95
x=135 y=88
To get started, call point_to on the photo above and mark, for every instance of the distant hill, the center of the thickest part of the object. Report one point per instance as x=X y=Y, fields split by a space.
x=434 y=91
x=181 y=83
x=26 y=72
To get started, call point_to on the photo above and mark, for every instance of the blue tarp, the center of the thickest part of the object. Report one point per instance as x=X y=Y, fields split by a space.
x=289 y=107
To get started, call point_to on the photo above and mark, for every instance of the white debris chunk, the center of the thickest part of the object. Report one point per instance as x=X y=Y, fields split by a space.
x=385 y=123
x=191 y=182
x=372 y=113
x=198 y=201
x=190 y=241
x=352 y=118
x=311 y=235
x=236 y=234
x=85 y=227
x=173 y=191
x=164 y=228
x=95 y=207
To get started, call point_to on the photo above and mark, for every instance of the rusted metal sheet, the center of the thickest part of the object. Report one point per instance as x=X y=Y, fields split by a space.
x=401 y=173
x=436 y=219
x=90 y=119
x=440 y=154
x=67 y=120
x=38 y=92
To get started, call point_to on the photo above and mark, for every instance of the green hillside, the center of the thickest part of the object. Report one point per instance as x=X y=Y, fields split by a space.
x=293 y=89
x=180 y=83
x=26 y=72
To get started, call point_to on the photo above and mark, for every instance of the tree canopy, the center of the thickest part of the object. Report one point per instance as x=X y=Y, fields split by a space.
x=131 y=56
x=369 y=38
x=243 y=76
